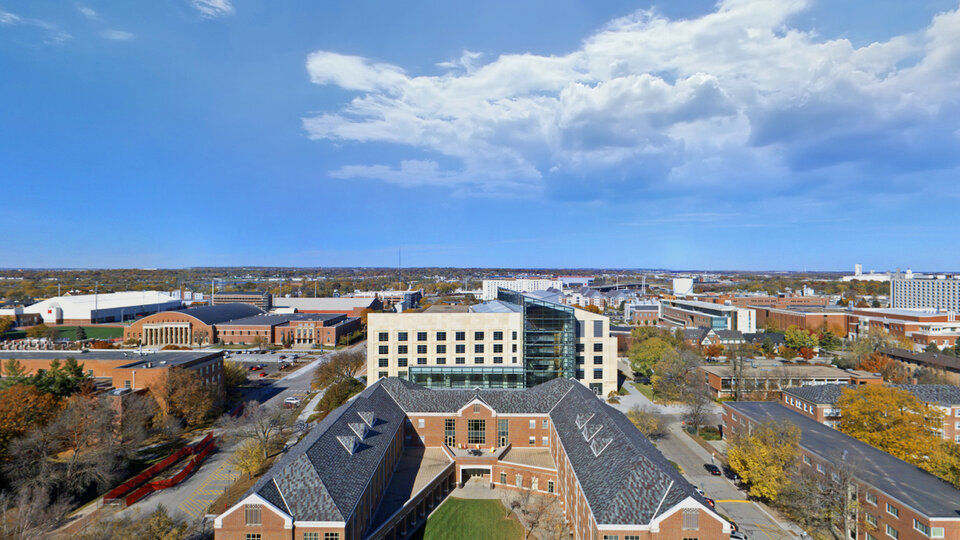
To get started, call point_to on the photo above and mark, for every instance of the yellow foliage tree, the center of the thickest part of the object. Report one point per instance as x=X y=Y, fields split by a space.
x=764 y=457
x=249 y=457
x=896 y=422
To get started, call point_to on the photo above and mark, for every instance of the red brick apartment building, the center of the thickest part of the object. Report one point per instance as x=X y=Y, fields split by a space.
x=127 y=369
x=820 y=403
x=769 y=379
x=921 y=326
x=814 y=320
x=298 y=329
x=377 y=466
x=896 y=499
x=766 y=301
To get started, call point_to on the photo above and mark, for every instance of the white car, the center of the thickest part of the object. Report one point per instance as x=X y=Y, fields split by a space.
x=291 y=402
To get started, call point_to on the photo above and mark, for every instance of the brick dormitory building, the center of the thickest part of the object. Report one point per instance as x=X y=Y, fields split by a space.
x=377 y=466
x=895 y=499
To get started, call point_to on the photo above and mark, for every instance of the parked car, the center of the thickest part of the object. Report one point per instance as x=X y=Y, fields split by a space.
x=728 y=472
x=712 y=469
x=257 y=367
x=710 y=502
x=263 y=373
x=291 y=402
x=700 y=491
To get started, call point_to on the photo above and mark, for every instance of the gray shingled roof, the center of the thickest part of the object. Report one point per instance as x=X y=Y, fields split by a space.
x=828 y=394
x=942 y=394
x=318 y=478
x=219 y=313
x=819 y=394
x=275 y=319
x=906 y=483
x=415 y=398
x=729 y=334
x=626 y=483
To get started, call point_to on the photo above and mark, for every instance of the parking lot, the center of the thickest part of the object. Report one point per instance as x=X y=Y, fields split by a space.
x=271 y=361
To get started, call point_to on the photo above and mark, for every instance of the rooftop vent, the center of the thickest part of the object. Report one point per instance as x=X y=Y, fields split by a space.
x=597 y=446
x=589 y=432
x=359 y=428
x=368 y=418
x=582 y=420
x=351 y=443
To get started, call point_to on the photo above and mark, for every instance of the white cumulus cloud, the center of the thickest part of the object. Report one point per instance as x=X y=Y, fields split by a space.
x=734 y=95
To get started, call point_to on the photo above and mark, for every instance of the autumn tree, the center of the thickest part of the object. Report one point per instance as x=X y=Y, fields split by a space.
x=249 y=457
x=645 y=354
x=797 y=338
x=764 y=457
x=28 y=513
x=6 y=323
x=23 y=407
x=877 y=362
x=338 y=367
x=234 y=375
x=260 y=423
x=671 y=375
x=648 y=421
x=37 y=331
x=182 y=394
x=892 y=420
x=592 y=309
x=713 y=351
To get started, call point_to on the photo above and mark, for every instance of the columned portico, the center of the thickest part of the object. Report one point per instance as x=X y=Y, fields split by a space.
x=166 y=334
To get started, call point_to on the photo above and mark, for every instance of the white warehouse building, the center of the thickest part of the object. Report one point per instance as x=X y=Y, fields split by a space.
x=103 y=308
x=520 y=285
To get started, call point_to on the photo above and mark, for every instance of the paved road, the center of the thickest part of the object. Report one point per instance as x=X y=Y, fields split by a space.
x=194 y=495
x=731 y=502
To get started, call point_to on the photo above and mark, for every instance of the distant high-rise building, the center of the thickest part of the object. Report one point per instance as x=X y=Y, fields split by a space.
x=521 y=285
x=909 y=290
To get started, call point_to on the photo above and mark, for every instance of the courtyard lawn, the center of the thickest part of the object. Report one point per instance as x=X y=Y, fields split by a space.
x=470 y=519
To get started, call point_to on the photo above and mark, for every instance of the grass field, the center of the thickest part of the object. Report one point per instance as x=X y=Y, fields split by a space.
x=70 y=332
x=463 y=519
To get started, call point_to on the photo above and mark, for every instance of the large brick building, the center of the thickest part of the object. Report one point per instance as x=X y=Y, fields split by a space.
x=297 y=329
x=820 y=403
x=377 y=466
x=894 y=498
x=127 y=369
x=767 y=379
x=184 y=327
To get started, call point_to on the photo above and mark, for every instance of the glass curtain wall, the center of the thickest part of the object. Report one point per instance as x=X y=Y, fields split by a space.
x=549 y=338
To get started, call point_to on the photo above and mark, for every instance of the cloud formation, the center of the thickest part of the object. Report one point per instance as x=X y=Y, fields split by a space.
x=117 y=35
x=212 y=9
x=736 y=95
x=52 y=34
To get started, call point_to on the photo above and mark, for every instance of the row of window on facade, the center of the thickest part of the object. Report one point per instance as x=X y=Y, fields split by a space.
x=442 y=349
x=253 y=517
x=403 y=362
x=442 y=336
x=534 y=482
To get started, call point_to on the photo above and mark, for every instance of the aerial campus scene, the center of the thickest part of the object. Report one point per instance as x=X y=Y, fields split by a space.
x=620 y=270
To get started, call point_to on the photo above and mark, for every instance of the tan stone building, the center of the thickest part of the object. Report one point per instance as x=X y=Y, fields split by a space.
x=497 y=344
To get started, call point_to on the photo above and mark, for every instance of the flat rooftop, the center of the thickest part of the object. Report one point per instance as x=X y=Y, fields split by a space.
x=416 y=468
x=906 y=483
x=157 y=359
x=534 y=457
x=781 y=371
x=443 y=308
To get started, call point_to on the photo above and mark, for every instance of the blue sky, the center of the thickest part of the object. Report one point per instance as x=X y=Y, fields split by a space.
x=748 y=134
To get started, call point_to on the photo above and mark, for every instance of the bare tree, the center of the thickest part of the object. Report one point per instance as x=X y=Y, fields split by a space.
x=533 y=511
x=340 y=366
x=200 y=336
x=825 y=501
x=29 y=513
x=697 y=400
x=259 y=423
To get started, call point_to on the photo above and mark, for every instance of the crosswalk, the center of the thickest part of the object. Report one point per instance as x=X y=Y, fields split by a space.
x=197 y=503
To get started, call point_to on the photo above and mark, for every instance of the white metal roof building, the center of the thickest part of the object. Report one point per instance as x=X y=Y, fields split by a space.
x=102 y=308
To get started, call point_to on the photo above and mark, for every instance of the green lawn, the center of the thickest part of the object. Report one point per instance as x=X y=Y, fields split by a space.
x=470 y=519
x=646 y=390
x=93 y=332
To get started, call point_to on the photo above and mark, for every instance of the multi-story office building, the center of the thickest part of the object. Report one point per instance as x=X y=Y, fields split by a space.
x=262 y=300
x=516 y=341
x=693 y=313
x=921 y=326
x=490 y=286
x=909 y=290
